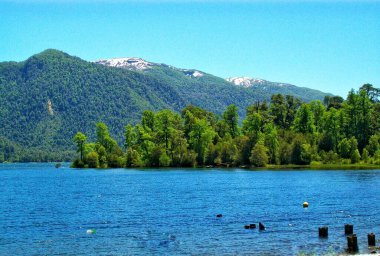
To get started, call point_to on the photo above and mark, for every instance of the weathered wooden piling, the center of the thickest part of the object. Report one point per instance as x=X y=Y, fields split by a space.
x=261 y=226
x=219 y=215
x=348 y=229
x=252 y=226
x=352 y=243
x=323 y=232
x=371 y=239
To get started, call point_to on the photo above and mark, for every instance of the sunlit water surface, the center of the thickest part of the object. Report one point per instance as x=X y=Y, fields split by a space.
x=47 y=211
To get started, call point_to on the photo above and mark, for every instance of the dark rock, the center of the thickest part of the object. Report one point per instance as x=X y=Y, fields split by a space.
x=261 y=226
x=219 y=215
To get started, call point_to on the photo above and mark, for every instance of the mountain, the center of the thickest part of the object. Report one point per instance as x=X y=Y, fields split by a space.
x=303 y=93
x=258 y=85
x=47 y=98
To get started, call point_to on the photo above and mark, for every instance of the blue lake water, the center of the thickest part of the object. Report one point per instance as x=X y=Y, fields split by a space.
x=46 y=211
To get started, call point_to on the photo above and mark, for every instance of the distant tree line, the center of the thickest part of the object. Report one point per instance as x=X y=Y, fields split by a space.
x=12 y=152
x=287 y=131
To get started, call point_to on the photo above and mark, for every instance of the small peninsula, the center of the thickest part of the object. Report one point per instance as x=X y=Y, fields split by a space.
x=286 y=132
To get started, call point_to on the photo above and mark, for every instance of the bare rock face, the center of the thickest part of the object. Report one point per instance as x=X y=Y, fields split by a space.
x=50 y=107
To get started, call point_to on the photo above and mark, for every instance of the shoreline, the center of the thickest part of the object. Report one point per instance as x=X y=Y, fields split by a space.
x=268 y=167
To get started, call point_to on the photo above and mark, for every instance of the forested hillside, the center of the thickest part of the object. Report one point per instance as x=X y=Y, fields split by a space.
x=47 y=98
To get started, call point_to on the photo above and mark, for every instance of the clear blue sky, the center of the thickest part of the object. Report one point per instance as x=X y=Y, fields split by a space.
x=330 y=46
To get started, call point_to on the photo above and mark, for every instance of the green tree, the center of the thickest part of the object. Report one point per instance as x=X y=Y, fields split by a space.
x=102 y=133
x=331 y=131
x=252 y=127
x=259 y=156
x=355 y=157
x=344 y=148
x=148 y=120
x=278 y=110
x=80 y=140
x=373 y=144
x=130 y=137
x=292 y=105
x=318 y=110
x=365 y=156
x=226 y=150
x=353 y=144
x=372 y=92
x=164 y=160
x=244 y=147
x=231 y=117
x=272 y=143
x=102 y=155
x=304 y=120
x=165 y=128
x=301 y=152
x=92 y=159
x=333 y=102
x=358 y=109
x=201 y=137
x=133 y=158
x=179 y=149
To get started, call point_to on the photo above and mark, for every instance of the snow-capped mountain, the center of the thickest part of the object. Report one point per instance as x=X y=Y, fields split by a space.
x=139 y=64
x=247 y=81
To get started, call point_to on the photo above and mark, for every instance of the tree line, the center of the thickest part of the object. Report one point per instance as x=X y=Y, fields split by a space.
x=286 y=131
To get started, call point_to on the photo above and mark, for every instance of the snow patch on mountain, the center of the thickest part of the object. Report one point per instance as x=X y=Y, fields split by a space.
x=245 y=81
x=127 y=63
x=142 y=65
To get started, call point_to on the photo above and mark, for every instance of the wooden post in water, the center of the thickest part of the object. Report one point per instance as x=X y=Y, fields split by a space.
x=352 y=243
x=323 y=232
x=348 y=229
x=261 y=226
x=371 y=239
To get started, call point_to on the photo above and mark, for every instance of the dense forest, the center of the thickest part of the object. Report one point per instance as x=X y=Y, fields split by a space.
x=45 y=99
x=287 y=131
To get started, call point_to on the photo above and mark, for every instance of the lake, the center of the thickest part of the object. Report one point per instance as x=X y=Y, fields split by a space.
x=47 y=211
